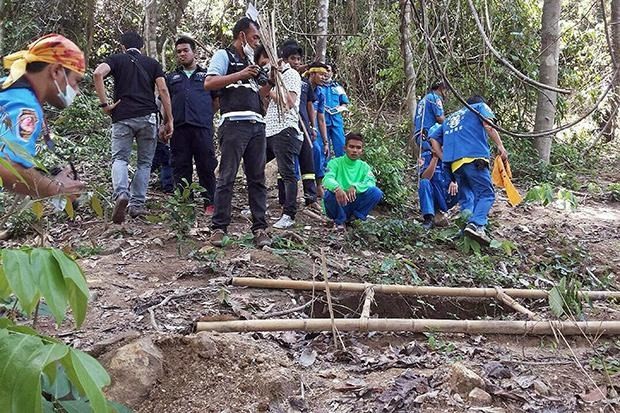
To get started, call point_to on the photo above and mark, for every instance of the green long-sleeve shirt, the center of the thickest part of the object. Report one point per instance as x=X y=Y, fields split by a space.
x=344 y=173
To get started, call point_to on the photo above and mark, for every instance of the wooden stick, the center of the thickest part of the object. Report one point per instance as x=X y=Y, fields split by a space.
x=512 y=303
x=609 y=328
x=329 y=298
x=411 y=290
x=370 y=297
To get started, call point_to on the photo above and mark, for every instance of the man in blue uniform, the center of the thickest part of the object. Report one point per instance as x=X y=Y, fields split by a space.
x=49 y=71
x=463 y=144
x=336 y=102
x=436 y=191
x=320 y=146
x=429 y=111
x=192 y=109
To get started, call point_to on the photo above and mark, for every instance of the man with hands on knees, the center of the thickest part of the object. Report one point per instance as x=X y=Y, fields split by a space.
x=351 y=191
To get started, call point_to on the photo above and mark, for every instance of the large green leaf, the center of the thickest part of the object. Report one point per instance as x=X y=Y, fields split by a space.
x=21 y=278
x=57 y=384
x=77 y=289
x=119 y=408
x=20 y=382
x=89 y=377
x=75 y=406
x=51 y=282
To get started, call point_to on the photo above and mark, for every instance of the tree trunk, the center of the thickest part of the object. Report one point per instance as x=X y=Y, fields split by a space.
x=407 y=51
x=150 y=27
x=321 y=22
x=611 y=120
x=3 y=6
x=90 y=28
x=550 y=52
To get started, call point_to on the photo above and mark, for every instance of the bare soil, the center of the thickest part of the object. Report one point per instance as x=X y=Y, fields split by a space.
x=142 y=285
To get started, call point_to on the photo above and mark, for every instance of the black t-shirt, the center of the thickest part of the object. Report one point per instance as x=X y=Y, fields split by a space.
x=134 y=87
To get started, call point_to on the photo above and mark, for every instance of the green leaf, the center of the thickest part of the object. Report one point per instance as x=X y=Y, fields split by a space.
x=37 y=208
x=77 y=289
x=5 y=289
x=48 y=407
x=556 y=303
x=51 y=282
x=21 y=278
x=22 y=359
x=55 y=381
x=75 y=406
x=88 y=376
x=69 y=208
x=8 y=165
x=95 y=204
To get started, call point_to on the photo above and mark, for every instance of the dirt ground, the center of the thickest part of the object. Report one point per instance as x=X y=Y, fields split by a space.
x=141 y=284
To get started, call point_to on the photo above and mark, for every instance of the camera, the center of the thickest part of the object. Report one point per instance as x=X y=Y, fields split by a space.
x=262 y=77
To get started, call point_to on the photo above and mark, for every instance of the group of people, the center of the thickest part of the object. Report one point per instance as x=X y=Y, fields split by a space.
x=289 y=112
x=170 y=118
x=455 y=160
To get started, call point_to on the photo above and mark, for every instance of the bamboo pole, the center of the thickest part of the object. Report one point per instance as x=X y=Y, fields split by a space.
x=428 y=291
x=512 y=303
x=596 y=328
x=368 y=300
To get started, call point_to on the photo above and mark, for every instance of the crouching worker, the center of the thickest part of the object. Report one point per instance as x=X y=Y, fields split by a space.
x=351 y=191
x=464 y=142
x=436 y=192
x=49 y=71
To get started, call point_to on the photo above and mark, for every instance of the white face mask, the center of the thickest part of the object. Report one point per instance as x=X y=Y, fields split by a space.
x=68 y=96
x=247 y=50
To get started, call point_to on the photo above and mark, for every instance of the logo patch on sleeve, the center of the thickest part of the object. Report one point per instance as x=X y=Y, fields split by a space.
x=27 y=121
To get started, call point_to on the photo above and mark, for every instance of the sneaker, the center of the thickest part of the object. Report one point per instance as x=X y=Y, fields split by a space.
x=217 y=238
x=209 y=210
x=340 y=227
x=120 y=208
x=477 y=233
x=284 y=222
x=261 y=238
x=137 y=211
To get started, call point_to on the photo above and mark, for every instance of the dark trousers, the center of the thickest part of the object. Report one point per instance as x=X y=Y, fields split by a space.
x=161 y=161
x=241 y=140
x=285 y=147
x=192 y=144
x=306 y=167
x=304 y=170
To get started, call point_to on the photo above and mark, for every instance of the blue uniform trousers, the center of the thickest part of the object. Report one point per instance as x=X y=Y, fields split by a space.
x=335 y=132
x=360 y=208
x=476 y=193
x=162 y=161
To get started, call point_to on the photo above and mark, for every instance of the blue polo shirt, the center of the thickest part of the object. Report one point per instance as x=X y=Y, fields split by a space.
x=462 y=135
x=191 y=103
x=334 y=96
x=21 y=122
x=429 y=108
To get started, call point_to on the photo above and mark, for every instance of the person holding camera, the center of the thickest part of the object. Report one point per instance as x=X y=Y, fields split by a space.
x=284 y=139
x=49 y=71
x=242 y=132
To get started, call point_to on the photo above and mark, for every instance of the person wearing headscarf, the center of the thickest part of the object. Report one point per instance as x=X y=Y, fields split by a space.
x=48 y=71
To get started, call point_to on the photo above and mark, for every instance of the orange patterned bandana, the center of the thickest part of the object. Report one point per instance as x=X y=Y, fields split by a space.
x=52 y=48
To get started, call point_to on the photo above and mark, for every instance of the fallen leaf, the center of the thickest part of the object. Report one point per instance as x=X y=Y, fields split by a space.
x=594 y=395
x=307 y=357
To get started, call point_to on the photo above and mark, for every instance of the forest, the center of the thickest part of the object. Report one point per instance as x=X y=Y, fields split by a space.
x=385 y=316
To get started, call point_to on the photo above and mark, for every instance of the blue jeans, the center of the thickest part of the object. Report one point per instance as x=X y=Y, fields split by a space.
x=476 y=193
x=144 y=130
x=360 y=208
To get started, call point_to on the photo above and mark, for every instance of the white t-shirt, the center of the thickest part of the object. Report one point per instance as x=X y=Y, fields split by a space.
x=277 y=120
